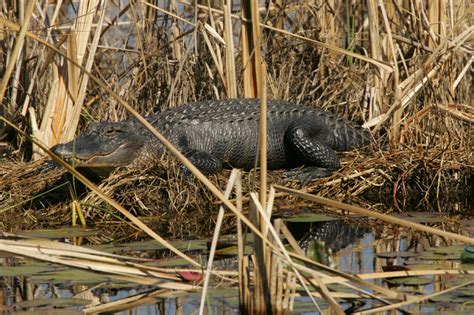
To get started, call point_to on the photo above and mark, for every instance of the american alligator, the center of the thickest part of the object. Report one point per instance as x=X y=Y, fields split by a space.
x=218 y=134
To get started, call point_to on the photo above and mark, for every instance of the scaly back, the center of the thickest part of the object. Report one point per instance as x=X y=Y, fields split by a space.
x=346 y=134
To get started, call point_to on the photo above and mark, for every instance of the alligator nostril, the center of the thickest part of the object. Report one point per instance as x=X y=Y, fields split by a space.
x=60 y=150
x=55 y=149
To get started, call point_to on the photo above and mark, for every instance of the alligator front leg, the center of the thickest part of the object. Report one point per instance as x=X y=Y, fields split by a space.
x=309 y=145
x=205 y=162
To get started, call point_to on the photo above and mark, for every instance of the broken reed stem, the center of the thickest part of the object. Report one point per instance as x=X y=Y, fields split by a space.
x=267 y=250
x=88 y=259
x=281 y=247
x=413 y=301
x=398 y=274
x=83 y=33
x=375 y=53
x=231 y=80
x=128 y=302
x=263 y=253
x=391 y=56
x=16 y=49
x=384 y=217
x=262 y=300
x=262 y=133
x=275 y=265
x=249 y=79
x=260 y=71
x=234 y=177
x=242 y=259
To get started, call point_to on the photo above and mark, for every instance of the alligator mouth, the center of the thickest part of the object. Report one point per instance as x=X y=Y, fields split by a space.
x=99 y=159
x=81 y=161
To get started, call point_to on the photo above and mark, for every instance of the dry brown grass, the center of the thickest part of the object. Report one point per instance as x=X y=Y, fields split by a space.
x=152 y=68
x=179 y=206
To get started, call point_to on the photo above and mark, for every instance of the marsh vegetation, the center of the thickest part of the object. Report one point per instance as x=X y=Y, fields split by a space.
x=403 y=69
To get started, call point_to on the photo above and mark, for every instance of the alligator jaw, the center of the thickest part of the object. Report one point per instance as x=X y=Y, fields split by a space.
x=103 y=162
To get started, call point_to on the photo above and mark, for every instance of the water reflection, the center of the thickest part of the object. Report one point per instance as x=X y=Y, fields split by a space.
x=335 y=234
x=352 y=246
x=322 y=240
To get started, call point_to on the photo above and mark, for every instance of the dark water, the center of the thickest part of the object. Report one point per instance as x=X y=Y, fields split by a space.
x=349 y=246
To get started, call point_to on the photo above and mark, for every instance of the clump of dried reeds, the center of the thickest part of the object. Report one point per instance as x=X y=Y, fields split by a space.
x=193 y=62
x=23 y=185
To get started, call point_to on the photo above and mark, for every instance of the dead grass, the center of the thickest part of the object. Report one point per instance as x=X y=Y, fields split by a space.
x=182 y=207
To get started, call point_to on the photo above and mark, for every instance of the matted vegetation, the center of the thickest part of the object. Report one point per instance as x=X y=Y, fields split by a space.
x=402 y=68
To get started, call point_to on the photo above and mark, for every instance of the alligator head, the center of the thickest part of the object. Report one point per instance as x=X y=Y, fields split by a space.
x=103 y=146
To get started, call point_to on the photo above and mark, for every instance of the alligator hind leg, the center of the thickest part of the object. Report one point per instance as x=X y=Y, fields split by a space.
x=310 y=144
x=205 y=162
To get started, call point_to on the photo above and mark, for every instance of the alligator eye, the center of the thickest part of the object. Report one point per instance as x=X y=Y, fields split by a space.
x=111 y=132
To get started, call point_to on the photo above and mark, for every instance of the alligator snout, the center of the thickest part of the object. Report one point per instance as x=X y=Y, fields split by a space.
x=62 y=150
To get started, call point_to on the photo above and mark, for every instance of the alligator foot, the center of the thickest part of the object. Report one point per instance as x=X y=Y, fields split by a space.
x=307 y=174
x=47 y=166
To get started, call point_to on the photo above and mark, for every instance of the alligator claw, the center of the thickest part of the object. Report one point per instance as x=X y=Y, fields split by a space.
x=306 y=174
x=184 y=170
x=47 y=166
